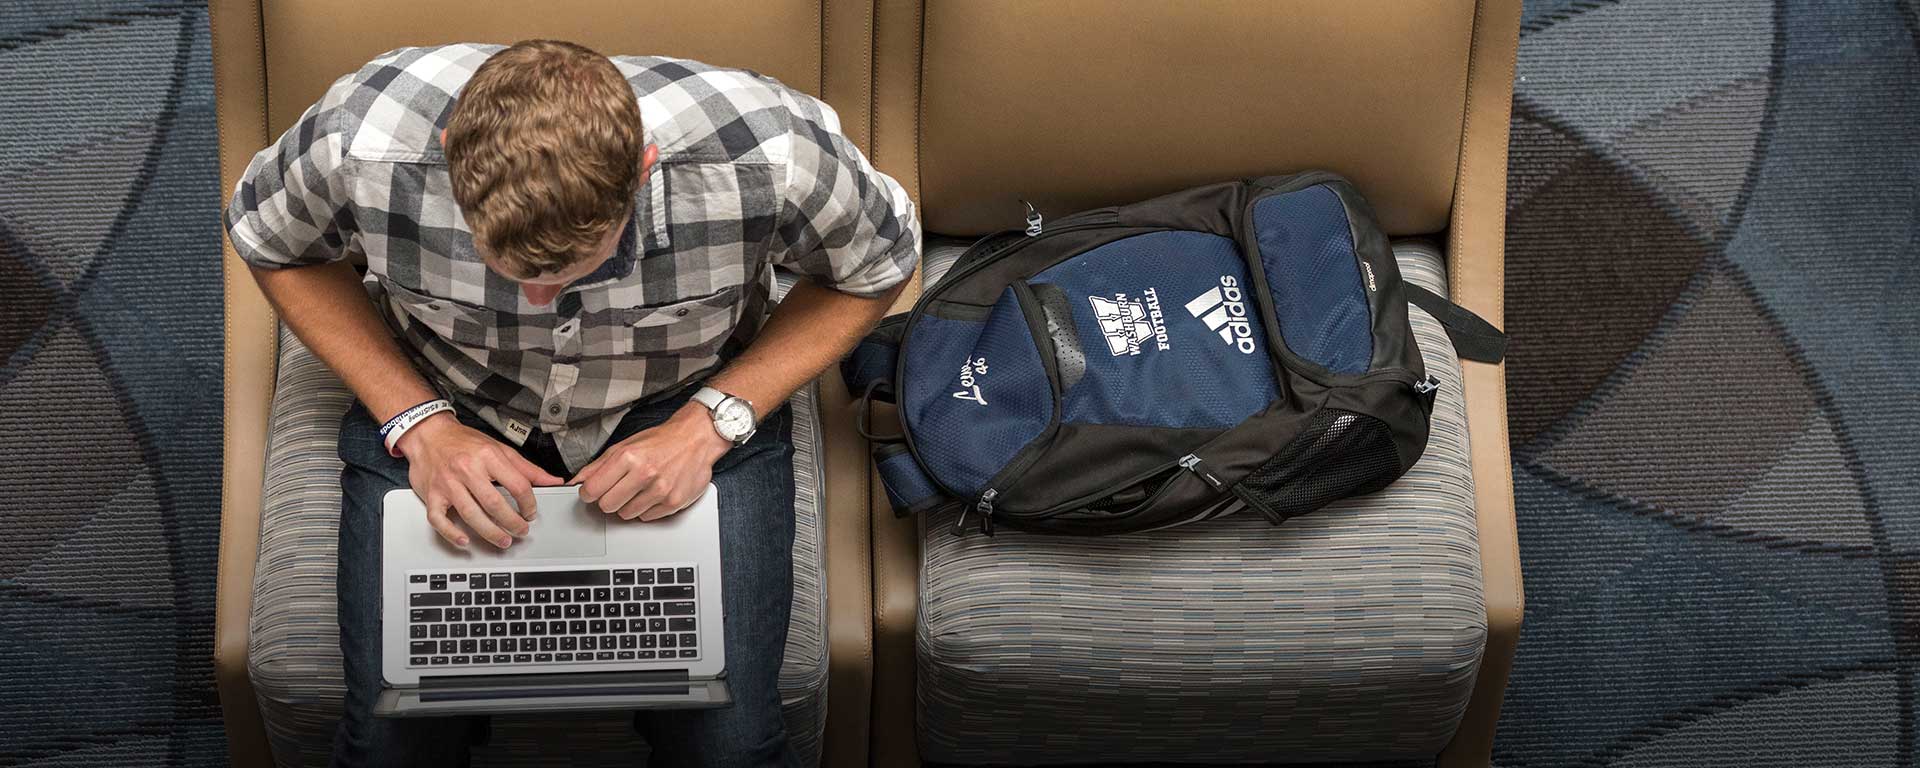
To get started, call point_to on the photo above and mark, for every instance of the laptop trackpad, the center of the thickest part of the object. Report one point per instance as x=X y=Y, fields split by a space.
x=562 y=530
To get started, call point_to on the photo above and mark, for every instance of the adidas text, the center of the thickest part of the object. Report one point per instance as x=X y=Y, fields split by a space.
x=1224 y=309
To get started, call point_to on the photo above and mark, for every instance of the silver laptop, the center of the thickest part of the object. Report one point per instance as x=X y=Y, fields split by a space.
x=587 y=612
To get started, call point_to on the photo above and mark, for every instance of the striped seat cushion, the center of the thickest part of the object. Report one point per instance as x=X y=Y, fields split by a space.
x=1350 y=633
x=294 y=647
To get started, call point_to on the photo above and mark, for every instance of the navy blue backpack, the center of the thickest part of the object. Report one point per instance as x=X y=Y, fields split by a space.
x=1238 y=345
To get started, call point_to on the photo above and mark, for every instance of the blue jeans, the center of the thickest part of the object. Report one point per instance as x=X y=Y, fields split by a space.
x=755 y=483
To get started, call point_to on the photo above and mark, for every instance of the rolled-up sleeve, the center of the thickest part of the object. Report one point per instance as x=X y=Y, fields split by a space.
x=290 y=208
x=843 y=223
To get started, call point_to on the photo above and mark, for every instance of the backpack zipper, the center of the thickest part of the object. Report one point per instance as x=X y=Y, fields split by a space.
x=985 y=505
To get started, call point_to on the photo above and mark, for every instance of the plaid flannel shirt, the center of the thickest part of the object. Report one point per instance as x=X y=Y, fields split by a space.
x=752 y=174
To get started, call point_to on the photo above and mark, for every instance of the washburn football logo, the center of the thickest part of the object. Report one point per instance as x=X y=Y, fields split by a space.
x=971 y=372
x=1129 y=323
x=1224 y=309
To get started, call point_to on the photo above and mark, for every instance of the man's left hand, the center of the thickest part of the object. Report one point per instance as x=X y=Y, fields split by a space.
x=658 y=471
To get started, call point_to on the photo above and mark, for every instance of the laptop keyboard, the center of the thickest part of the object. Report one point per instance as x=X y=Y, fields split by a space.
x=557 y=616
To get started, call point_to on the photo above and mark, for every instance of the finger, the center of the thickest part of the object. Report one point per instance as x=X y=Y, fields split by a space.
x=647 y=502
x=476 y=518
x=580 y=478
x=480 y=484
x=672 y=504
x=437 y=517
x=595 y=480
x=522 y=492
x=532 y=472
x=629 y=487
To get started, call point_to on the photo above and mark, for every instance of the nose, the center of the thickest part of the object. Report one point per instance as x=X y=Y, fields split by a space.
x=541 y=295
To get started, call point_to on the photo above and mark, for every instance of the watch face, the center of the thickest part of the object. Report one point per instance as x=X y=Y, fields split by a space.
x=734 y=419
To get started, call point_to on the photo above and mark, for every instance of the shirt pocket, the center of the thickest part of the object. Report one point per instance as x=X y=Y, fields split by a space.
x=456 y=322
x=690 y=328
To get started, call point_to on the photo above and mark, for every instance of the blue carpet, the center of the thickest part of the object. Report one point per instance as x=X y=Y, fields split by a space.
x=110 y=351
x=1713 y=260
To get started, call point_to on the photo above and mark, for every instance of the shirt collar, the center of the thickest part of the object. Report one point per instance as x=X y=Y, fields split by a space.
x=618 y=266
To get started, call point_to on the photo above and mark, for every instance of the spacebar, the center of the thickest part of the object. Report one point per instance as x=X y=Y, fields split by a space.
x=598 y=577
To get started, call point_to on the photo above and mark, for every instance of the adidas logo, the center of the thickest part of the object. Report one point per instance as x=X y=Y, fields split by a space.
x=1224 y=310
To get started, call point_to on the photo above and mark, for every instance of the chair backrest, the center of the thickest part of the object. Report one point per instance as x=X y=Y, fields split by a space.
x=1074 y=104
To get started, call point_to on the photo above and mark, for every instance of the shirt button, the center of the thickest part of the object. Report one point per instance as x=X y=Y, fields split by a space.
x=554 y=409
x=433 y=305
x=681 y=312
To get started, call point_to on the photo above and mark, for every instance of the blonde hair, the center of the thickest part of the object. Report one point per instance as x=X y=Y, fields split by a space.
x=544 y=149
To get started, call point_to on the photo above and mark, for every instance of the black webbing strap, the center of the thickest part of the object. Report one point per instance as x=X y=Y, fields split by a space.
x=1473 y=338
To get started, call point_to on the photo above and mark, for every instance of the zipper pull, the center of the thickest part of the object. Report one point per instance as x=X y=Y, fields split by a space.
x=1034 y=220
x=1426 y=385
x=1191 y=463
x=985 y=506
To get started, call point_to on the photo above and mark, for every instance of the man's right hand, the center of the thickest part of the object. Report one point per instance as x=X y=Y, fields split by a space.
x=454 y=467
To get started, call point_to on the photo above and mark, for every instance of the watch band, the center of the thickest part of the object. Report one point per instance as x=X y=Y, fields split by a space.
x=710 y=397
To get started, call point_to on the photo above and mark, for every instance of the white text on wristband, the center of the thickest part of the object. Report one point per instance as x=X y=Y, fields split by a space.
x=407 y=420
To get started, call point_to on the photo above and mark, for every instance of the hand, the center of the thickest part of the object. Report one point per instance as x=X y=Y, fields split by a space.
x=453 y=467
x=657 y=472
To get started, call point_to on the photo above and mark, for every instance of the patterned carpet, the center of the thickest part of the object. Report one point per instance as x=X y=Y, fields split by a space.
x=109 y=385
x=1713 y=263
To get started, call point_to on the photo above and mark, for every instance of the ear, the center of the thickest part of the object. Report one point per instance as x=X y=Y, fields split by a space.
x=648 y=157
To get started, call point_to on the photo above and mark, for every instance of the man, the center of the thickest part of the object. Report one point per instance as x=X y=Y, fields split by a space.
x=568 y=248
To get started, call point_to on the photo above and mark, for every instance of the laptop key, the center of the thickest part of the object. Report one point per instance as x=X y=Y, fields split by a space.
x=547 y=643
x=679 y=609
x=602 y=594
x=592 y=610
x=663 y=575
x=649 y=641
x=463 y=598
x=630 y=609
x=582 y=595
x=476 y=630
x=626 y=655
x=536 y=628
x=416 y=661
x=469 y=646
x=622 y=594
x=428 y=599
x=437 y=631
x=501 y=658
x=522 y=658
x=676 y=592
x=417 y=631
x=421 y=578
x=569 y=643
x=669 y=641
x=556 y=627
x=513 y=613
x=643 y=576
x=437 y=584
x=543 y=595
x=687 y=654
x=517 y=628
x=656 y=625
x=577 y=626
x=543 y=657
x=422 y=646
x=473 y=614
x=489 y=645
x=500 y=581
x=480 y=658
x=643 y=655
x=563 y=596
x=683 y=624
x=449 y=646
x=494 y=613
x=607 y=642
x=563 y=657
x=483 y=598
x=623 y=576
x=509 y=645
x=683 y=575
x=689 y=640
x=604 y=656
x=477 y=580
x=597 y=626
x=552 y=612
x=653 y=609
x=456 y=630
x=628 y=641
x=523 y=596
x=572 y=611
x=643 y=593
x=617 y=625
x=502 y=597
x=439 y=660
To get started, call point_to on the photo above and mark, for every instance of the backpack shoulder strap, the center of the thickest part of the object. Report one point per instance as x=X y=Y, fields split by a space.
x=1473 y=337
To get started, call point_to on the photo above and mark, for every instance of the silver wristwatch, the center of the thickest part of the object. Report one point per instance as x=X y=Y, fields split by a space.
x=732 y=416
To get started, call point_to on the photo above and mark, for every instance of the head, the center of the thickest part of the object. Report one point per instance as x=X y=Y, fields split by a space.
x=545 y=153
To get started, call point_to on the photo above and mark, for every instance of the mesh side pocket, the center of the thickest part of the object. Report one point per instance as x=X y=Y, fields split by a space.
x=1338 y=454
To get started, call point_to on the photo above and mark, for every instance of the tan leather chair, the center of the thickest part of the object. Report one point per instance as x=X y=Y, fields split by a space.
x=273 y=59
x=1075 y=104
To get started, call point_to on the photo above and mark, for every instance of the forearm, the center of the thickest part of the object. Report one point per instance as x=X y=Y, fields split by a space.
x=810 y=330
x=328 y=309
